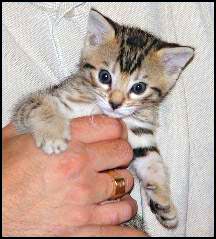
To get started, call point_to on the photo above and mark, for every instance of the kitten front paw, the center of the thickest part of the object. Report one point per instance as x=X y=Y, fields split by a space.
x=53 y=140
x=53 y=146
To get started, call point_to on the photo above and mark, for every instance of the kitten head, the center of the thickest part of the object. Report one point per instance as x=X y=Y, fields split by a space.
x=127 y=67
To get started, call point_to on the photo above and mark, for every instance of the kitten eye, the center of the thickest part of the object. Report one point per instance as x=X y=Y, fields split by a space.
x=105 y=77
x=138 y=88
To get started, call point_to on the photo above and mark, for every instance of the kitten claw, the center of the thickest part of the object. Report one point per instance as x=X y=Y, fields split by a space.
x=56 y=146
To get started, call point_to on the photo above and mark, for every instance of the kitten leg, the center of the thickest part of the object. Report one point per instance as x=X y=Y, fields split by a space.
x=39 y=115
x=150 y=169
x=152 y=172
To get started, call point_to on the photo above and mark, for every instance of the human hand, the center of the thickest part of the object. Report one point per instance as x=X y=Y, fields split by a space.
x=59 y=194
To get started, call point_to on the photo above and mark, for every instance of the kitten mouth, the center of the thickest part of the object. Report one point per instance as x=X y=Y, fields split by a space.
x=114 y=114
x=118 y=113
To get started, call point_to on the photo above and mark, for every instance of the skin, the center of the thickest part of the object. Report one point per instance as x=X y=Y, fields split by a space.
x=62 y=195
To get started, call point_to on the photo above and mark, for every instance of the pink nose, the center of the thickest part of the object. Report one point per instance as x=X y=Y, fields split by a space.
x=116 y=99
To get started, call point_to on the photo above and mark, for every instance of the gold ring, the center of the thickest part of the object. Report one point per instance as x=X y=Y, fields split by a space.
x=118 y=184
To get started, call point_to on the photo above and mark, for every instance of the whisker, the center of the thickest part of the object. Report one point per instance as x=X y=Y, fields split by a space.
x=92 y=116
x=99 y=94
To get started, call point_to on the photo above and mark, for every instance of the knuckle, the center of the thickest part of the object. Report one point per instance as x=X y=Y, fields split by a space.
x=117 y=127
x=108 y=189
x=77 y=164
x=126 y=151
x=130 y=179
x=66 y=165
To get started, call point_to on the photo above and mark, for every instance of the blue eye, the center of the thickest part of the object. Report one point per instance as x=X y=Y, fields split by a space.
x=138 y=88
x=105 y=77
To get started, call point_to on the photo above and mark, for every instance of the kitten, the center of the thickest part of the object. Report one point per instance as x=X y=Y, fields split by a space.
x=124 y=72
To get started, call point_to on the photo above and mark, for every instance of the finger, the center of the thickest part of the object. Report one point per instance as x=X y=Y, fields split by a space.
x=109 y=154
x=9 y=131
x=99 y=188
x=105 y=186
x=115 y=212
x=92 y=231
x=97 y=128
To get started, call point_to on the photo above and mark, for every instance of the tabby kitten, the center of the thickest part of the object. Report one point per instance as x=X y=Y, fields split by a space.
x=124 y=72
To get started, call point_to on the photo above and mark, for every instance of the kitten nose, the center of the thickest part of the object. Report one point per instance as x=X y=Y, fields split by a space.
x=114 y=105
x=116 y=99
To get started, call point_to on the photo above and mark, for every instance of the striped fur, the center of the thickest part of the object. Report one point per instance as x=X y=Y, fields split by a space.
x=142 y=152
x=130 y=56
x=140 y=131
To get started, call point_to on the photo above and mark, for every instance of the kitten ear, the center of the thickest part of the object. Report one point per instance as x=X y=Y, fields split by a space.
x=100 y=29
x=174 y=60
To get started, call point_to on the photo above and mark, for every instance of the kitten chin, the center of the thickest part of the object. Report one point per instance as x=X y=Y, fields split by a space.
x=114 y=114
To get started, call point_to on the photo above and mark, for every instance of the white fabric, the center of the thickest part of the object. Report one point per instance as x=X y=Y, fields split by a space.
x=41 y=46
